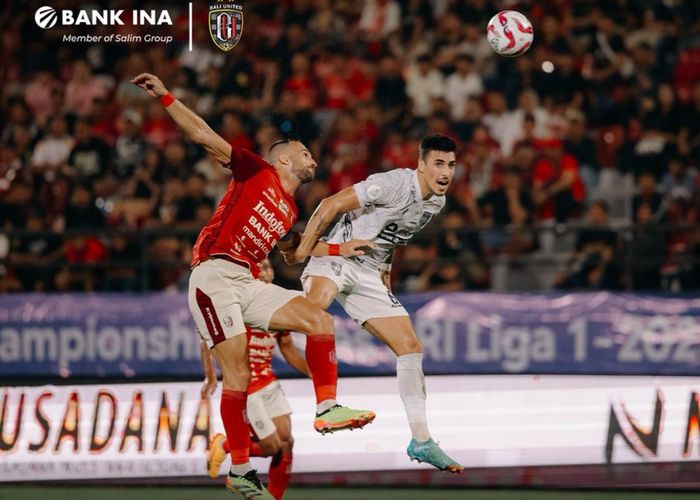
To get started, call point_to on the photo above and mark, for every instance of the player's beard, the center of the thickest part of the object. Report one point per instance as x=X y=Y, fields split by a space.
x=304 y=174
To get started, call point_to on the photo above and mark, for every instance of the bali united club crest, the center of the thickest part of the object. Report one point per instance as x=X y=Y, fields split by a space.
x=225 y=24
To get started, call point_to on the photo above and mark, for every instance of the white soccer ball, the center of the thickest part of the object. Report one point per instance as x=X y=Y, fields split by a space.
x=509 y=33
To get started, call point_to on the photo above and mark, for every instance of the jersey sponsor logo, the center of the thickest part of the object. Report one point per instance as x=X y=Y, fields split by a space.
x=394 y=301
x=284 y=208
x=347 y=227
x=275 y=225
x=425 y=218
x=267 y=237
x=392 y=234
x=263 y=341
x=270 y=197
x=373 y=192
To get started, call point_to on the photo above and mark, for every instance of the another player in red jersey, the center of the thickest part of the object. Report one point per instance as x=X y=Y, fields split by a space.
x=256 y=212
x=268 y=409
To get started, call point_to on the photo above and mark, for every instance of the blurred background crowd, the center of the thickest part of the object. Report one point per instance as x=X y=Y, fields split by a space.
x=577 y=162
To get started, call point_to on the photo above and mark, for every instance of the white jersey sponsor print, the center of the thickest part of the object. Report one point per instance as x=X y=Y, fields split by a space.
x=391 y=212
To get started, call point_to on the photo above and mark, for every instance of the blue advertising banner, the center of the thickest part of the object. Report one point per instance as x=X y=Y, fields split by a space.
x=145 y=335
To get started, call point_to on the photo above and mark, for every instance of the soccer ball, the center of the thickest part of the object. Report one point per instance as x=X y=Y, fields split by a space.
x=509 y=33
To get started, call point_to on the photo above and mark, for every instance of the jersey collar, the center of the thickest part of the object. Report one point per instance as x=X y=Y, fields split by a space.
x=416 y=188
x=416 y=191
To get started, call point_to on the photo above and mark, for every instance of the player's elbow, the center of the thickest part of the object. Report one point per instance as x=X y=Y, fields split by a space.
x=199 y=136
x=329 y=208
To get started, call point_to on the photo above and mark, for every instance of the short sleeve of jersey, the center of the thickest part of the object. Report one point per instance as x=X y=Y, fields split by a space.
x=381 y=189
x=244 y=163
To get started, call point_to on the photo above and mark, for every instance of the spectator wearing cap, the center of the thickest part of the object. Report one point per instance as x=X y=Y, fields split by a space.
x=130 y=146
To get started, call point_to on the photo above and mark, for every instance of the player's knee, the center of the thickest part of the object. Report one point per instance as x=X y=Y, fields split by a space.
x=414 y=345
x=271 y=447
x=318 y=322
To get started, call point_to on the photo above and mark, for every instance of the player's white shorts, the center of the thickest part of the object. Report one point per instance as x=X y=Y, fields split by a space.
x=264 y=405
x=224 y=297
x=360 y=290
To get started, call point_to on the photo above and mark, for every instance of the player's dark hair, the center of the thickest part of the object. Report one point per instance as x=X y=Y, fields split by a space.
x=284 y=140
x=436 y=142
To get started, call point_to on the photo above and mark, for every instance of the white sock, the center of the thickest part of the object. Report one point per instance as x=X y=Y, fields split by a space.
x=241 y=469
x=325 y=405
x=409 y=370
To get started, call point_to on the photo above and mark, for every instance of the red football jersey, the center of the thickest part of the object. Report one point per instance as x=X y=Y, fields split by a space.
x=253 y=215
x=260 y=348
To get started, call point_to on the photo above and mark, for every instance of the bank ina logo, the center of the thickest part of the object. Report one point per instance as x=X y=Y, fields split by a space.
x=46 y=17
x=225 y=24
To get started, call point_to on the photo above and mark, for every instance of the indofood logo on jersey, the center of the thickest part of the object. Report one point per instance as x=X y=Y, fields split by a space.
x=47 y=17
x=226 y=25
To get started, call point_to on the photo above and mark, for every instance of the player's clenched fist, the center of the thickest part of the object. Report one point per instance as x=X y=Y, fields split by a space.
x=151 y=84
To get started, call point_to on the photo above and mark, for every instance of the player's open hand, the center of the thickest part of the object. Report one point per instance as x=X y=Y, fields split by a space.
x=355 y=248
x=151 y=84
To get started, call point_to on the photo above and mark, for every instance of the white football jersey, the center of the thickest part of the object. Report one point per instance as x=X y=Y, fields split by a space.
x=391 y=212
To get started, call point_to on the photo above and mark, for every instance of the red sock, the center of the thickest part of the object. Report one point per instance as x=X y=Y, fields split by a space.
x=233 y=414
x=320 y=356
x=279 y=474
x=255 y=450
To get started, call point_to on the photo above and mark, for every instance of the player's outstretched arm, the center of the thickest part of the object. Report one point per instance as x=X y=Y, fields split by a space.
x=292 y=354
x=329 y=208
x=191 y=124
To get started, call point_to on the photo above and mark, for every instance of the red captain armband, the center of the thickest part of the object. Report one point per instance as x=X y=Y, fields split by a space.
x=333 y=249
x=167 y=100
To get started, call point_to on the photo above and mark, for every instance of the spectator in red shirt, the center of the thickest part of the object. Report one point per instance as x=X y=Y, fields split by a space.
x=557 y=187
x=300 y=83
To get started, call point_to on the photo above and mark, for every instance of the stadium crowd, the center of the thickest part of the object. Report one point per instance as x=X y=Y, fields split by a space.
x=587 y=147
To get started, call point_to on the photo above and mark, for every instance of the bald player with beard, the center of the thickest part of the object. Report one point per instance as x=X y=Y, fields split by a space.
x=254 y=215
